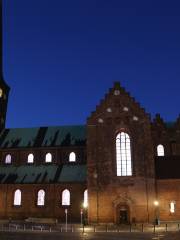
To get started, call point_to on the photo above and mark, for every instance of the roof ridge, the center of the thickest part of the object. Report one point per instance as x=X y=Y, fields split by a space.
x=78 y=125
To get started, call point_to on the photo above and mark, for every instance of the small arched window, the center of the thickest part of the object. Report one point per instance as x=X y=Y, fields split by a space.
x=30 y=158
x=160 y=150
x=66 y=197
x=72 y=157
x=1 y=92
x=48 y=158
x=85 y=203
x=172 y=207
x=8 y=159
x=123 y=154
x=41 y=198
x=17 y=198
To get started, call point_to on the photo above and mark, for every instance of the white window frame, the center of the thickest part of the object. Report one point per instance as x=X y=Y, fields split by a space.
x=17 y=198
x=160 y=150
x=48 y=158
x=66 y=198
x=1 y=92
x=172 y=207
x=41 y=198
x=85 y=202
x=123 y=154
x=8 y=159
x=30 y=158
x=72 y=157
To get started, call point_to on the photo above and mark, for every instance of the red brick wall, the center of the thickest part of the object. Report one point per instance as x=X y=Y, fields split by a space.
x=168 y=190
x=60 y=155
x=137 y=191
x=52 y=208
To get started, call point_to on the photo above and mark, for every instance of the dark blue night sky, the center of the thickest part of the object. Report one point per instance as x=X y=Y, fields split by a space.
x=61 y=56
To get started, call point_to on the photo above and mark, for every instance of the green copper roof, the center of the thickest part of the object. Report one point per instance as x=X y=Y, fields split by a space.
x=170 y=124
x=42 y=174
x=71 y=172
x=19 y=137
x=66 y=135
x=43 y=136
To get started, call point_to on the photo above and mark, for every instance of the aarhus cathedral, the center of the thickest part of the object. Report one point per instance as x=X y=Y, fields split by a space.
x=120 y=167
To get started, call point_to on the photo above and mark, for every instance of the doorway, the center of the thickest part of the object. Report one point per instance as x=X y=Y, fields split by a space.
x=122 y=216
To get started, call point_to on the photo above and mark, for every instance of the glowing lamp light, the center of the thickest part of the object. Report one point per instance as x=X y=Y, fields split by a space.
x=156 y=203
x=85 y=205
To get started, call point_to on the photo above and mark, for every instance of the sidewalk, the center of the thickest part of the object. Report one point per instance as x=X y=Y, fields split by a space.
x=136 y=228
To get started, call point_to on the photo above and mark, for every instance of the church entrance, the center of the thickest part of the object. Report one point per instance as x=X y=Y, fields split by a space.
x=122 y=214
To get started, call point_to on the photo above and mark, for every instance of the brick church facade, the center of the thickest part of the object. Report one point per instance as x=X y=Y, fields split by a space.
x=120 y=167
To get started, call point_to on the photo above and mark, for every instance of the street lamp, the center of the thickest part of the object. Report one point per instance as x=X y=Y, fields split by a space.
x=85 y=207
x=156 y=204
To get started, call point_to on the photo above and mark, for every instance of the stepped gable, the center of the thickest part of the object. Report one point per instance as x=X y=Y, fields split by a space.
x=118 y=100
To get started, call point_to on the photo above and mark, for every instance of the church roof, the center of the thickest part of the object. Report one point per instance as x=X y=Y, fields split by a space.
x=170 y=124
x=43 y=174
x=43 y=137
x=46 y=136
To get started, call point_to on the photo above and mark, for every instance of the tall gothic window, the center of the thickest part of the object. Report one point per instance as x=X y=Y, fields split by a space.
x=17 y=198
x=123 y=154
x=72 y=157
x=66 y=197
x=41 y=198
x=160 y=150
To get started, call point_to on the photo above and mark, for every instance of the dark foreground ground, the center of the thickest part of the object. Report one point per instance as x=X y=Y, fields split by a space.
x=88 y=236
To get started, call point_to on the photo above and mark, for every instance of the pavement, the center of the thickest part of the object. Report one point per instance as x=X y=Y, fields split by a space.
x=88 y=236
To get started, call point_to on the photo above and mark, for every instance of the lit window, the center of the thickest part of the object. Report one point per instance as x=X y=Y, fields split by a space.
x=48 y=157
x=172 y=207
x=66 y=198
x=85 y=204
x=8 y=159
x=123 y=155
x=41 y=198
x=17 y=198
x=1 y=92
x=72 y=157
x=30 y=158
x=160 y=150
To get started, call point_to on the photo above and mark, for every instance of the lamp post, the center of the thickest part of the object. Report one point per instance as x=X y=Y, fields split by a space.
x=97 y=193
x=81 y=216
x=66 y=213
x=85 y=206
x=156 y=205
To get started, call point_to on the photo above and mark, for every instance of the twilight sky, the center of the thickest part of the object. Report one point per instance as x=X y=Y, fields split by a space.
x=61 y=56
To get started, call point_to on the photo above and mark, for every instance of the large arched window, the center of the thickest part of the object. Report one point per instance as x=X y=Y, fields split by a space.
x=8 y=159
x=160 y=150
x=41 y=198
x=30 y=158
x=17 y=198
x=72 y=157
x=66 y=197
x=123 y=154
x=48 y=158
x=85 y=203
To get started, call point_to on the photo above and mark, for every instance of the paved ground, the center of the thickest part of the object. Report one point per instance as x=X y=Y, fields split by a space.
x=88 y=236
